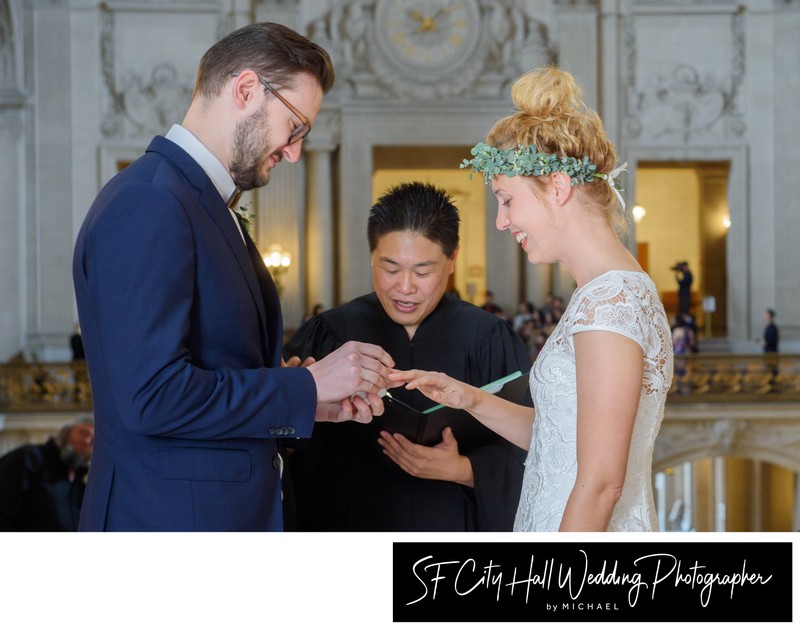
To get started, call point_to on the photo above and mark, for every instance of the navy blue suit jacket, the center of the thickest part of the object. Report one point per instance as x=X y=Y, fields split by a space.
x=182 y=330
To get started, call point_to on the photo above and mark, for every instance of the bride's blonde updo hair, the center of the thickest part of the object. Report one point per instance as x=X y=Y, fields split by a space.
x=552 y=116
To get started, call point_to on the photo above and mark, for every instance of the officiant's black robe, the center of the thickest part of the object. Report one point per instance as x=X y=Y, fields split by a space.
x=343 y=481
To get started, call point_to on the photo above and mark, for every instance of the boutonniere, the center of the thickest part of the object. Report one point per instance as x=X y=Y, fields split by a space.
x=247 y=218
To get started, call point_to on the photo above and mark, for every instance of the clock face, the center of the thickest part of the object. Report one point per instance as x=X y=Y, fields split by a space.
x=429 y=37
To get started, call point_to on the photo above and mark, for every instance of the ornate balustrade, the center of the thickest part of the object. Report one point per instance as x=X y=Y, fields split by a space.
x=37 y=399
x=719 y=405
x=731 y=378
x=42 y=387
x=698 y=378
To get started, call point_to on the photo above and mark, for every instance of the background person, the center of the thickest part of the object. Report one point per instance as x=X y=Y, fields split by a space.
x=181 y=320
x=770 y=336
x=683 y=339
x=343 y=480
x=684 y=278
x=42 y=485
x=76 y=344
x=490 y=305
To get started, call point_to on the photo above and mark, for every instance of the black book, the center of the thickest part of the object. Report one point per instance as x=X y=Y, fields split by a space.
x=425 y=427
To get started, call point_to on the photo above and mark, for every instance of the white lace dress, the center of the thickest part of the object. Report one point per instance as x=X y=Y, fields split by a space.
x=625 y=302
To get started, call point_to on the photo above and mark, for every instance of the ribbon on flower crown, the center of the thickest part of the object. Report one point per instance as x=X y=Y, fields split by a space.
x=617 y=188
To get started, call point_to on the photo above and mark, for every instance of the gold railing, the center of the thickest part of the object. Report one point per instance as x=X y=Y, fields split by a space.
x=704 y=377
x=698 y=378
x=36 y=387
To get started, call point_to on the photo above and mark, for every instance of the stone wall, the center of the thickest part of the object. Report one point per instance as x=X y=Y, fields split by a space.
x=85 y=84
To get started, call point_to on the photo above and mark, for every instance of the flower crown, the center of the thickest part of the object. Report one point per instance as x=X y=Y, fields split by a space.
x=526 y=160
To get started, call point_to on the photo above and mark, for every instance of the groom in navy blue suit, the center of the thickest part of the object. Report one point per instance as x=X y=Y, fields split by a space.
x=181 y=321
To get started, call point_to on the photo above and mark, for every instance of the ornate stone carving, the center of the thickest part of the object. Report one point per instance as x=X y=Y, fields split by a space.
x=756 y=431
x=140 y=103
x=509 y=42
x=685 y=102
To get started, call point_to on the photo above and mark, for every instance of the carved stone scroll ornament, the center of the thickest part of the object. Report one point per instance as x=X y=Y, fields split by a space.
x=140 y=104
x=685 y=103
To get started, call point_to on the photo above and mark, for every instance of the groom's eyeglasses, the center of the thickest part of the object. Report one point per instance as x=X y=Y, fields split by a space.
x=299 y=132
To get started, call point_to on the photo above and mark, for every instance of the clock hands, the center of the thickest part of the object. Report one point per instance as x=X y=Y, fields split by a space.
x=429 y=23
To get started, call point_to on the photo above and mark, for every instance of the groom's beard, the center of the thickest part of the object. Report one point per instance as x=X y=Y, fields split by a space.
x=251 y=151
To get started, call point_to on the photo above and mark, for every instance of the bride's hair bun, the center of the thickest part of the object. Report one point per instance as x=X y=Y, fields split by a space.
x=547 y=95
x=552 y=116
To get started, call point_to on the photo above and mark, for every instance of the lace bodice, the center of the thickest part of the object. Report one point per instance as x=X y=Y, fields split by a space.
x=625 y=302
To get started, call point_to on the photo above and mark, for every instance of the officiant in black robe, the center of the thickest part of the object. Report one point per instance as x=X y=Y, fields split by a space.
x=342 y=480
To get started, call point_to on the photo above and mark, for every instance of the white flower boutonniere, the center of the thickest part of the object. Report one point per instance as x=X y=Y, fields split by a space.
x=247 y=218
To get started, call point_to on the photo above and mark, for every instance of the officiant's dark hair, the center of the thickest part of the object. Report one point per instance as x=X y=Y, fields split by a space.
x=275 y=52
x=415 y=207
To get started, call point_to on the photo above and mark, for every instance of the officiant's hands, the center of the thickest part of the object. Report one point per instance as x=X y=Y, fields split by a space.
x=442 y=461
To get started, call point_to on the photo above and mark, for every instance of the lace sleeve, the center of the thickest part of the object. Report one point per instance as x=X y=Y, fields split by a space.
x=613 y=306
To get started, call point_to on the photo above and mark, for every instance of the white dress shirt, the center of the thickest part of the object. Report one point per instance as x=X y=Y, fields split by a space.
x=209 y=162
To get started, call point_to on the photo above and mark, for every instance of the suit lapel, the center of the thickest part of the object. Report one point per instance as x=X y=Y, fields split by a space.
x=220 y=214
x=260 y=283
x=274 y=326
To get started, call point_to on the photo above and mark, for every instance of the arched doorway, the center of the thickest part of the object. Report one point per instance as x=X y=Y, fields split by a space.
x=682 y=214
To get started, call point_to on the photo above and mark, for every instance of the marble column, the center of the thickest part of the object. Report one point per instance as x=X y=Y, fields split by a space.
x=319 y=253
x=579 y=54
x=787 y=186
x=49 y=309
x=280 y=220
x=579 y=46
x=12 y=246
x=13 y=119
x=796 y=511
x=754 y=478
x=720 y=504
x=687 y=478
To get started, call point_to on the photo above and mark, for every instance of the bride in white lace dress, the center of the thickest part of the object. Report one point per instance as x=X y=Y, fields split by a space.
x=600 y=382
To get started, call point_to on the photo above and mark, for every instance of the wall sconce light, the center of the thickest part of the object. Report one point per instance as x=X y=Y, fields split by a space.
x=726 y=221
x=638 y=213
x=277 y=261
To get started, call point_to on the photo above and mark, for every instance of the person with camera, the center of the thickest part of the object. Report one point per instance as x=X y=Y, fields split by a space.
x=684 y=278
